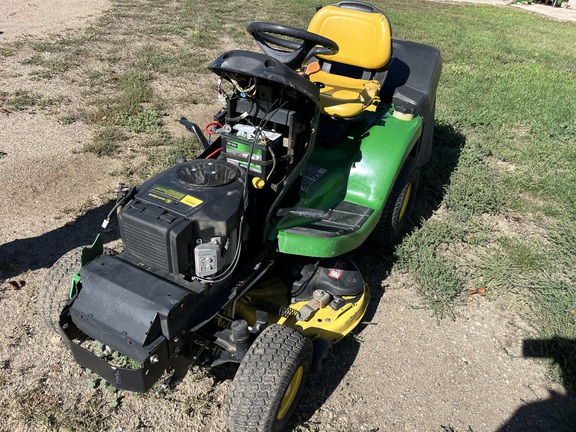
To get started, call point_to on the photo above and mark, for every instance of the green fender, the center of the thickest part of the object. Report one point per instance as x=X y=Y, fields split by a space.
x=383 y=150
x=365 y=178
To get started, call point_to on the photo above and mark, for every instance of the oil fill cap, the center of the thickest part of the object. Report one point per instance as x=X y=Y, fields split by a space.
x=258 y=183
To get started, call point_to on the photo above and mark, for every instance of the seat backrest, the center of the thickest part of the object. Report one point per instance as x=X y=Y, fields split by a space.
x=361 y=31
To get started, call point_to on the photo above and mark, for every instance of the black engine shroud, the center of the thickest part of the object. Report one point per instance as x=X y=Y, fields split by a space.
x=145 y=301
x=192 y=204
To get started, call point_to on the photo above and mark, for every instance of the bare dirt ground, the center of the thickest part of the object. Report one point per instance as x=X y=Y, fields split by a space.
x=402 y=371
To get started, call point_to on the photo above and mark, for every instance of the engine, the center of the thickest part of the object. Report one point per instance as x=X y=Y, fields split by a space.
x=185 y=220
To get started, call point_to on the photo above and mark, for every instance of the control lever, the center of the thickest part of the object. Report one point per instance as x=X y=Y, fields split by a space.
x=195 y=129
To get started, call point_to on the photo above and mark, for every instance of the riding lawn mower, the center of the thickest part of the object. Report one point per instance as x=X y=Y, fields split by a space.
x=241 y=255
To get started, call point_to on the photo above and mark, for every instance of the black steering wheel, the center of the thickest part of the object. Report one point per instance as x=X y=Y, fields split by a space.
x=311 y=45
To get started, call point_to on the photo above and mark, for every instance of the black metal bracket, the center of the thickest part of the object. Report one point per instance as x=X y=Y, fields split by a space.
x=195 y=129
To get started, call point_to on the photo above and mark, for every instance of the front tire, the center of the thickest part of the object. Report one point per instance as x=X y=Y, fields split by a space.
x=55 y=288
x=269 y=381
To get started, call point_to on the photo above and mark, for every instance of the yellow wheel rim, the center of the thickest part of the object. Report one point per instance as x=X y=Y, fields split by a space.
x=290 y=393
x=405 y=202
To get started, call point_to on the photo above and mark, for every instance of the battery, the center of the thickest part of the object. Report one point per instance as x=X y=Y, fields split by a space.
x=237 y=145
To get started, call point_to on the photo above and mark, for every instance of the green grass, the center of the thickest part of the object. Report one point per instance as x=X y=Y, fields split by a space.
x=21 y=100
x=105 y=142
x=36 y=407
x=164 y=154
x=511 y=124
x=497 y=205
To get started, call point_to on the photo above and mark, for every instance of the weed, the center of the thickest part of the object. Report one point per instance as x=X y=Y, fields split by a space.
x=105 y=142
x=135 y=90
x=67 y=119
x=420 y=254
x=147 y=121
x=51 y=65
x=165 y=157
x=23 y=99
x=6 y=52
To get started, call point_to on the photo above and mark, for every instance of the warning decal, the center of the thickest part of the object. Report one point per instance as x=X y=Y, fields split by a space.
x=337 y=271
x=191 y=201
x=170 y=195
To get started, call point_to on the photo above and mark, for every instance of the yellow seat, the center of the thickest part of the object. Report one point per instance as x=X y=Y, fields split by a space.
x=365 y=47
x=345 y=97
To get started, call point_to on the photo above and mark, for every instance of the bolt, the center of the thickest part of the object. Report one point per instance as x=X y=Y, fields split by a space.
x=154 y=359
x=176 y=339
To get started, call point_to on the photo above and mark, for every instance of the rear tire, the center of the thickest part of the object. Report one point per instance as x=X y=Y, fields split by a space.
x=269 y=381
x=394 y=220
x=54 y=290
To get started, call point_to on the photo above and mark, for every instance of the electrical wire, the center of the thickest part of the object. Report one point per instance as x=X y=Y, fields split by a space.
x=237 y=253
x=218 y=150
x=273 y=163
x=249 y=91
x=234 y=262
x=257 y=136
x=208 y=128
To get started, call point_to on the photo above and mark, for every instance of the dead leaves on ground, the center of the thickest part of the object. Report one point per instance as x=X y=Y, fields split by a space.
x=480 y=291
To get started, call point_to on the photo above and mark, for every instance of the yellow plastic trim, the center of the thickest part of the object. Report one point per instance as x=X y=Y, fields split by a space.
x=403 y=116
x=291 y=392
x=364 y=38
x=343 y=96
x=326 y=322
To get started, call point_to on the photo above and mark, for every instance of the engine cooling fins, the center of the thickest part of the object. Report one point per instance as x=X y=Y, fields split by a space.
x=206 y=173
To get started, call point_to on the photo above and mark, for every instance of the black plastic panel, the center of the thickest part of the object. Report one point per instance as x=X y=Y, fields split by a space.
x=345 y=218
x=129 y=309
x=411 y=80
x=263 y=66
x=336 y=276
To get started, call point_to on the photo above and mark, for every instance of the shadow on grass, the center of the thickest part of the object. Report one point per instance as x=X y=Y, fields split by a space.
x=435 y=175
x=375 y=264
x=34 y=253
x=558 y=412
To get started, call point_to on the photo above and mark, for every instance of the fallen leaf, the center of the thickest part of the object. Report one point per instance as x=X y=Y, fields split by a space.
x=480 y=291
